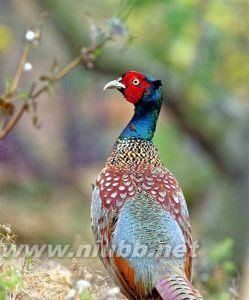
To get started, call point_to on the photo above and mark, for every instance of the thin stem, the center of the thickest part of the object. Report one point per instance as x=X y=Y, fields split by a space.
x=84 y=57
x=125 y=9
x=11 y=124
x=19 y=71
x=68 y=68
x=87 y=56
x=60 y=74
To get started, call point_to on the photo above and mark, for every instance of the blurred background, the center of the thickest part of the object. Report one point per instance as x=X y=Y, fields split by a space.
x=199 y=49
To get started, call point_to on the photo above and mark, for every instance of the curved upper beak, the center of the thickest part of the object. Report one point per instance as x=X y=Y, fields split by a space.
x=114 y=84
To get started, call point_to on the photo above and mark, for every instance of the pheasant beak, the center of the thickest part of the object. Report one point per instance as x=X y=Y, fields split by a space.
x=115 y=84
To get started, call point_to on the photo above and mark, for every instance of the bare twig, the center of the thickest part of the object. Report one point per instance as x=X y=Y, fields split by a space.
x=11 y=124
x=59 y=75
x=87 y=57
x=18 y=74
x=68 y=68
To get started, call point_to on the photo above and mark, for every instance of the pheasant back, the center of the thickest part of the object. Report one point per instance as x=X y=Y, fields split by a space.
x=137 y=202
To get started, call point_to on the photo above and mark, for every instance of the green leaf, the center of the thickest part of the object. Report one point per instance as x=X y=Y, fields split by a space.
x=85 y=295
x=229 y=267
x=223 y=250
x=8 y=282
x=8 y=82
x=24 y=95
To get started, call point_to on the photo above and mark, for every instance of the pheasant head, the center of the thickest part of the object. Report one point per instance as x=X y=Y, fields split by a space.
x=136 y=87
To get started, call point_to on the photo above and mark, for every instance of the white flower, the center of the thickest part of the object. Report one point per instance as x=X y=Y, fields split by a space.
x=82 y=285
x=33 y=36
x=30 y=35
x=27 y=67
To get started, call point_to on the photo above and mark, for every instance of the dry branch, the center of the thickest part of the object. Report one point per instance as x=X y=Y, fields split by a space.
x=19 y=72
x=11 y=124
x=87 y=56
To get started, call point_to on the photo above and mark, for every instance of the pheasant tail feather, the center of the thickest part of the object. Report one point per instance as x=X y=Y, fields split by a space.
x=176 y=287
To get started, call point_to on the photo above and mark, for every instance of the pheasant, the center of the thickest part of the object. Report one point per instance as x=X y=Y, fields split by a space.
x=139 y=214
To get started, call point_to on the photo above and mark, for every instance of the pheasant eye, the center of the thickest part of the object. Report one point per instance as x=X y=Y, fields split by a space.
x=135 y=81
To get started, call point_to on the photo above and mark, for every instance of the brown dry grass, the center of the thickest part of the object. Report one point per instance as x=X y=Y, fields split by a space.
x=30 y=278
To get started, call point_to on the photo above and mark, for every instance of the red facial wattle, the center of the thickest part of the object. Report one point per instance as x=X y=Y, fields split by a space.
x=134 y=92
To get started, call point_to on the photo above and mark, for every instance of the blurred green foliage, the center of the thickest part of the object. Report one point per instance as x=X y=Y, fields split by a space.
x=217 y=272
x=9 y=282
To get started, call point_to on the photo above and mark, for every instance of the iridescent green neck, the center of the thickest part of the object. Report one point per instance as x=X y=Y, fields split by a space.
x=143 y=123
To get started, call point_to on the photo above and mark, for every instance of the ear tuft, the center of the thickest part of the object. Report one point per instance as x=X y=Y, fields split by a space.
x=157 y=83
